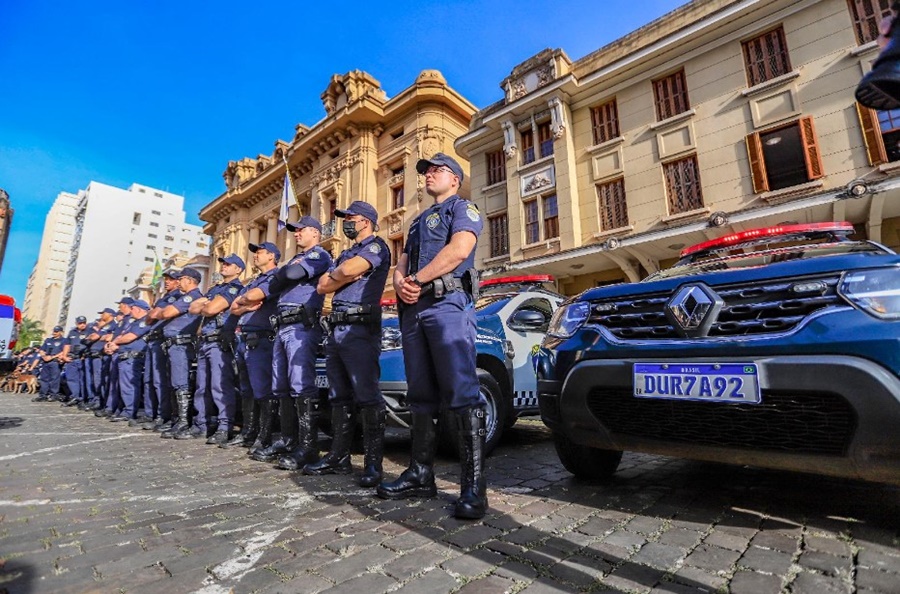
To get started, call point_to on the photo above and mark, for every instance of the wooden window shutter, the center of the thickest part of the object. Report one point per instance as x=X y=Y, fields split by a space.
x=811 y=153
x=757 y=164
x=868 y=121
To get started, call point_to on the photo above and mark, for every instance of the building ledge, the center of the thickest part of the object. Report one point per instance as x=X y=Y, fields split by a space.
x=864 y=49
x=536 y=164
x=605 y=145
x=779 y=196
x=497 y=259
x=686 y=216
x=491 y=189
x=890 y=168
x=675 y=119
x=770 y=84
x=546 y=244
x=613 y=232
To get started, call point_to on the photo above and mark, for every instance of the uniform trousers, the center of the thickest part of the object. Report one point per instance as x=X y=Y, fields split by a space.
x=215 y=395
x=351 y=364
x=294 y=361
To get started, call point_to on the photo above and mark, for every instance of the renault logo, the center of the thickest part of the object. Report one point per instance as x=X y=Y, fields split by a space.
x=693 y=309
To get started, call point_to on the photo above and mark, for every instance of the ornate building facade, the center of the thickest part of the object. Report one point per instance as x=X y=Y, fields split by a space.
x=721 y=116
x=365 y=148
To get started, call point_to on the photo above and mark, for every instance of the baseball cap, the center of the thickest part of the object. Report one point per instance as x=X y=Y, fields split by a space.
x=361 y=208
x=108 y=310
x=140 y=303
x=305 y=221
x=57 y=328
x=440 y=159
x=171 y=273
x=268 y=246
x=233 y=259
x=126 y=300
x=190 y=273
x=81 y=320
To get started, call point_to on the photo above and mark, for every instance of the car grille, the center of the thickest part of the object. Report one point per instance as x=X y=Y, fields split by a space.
x=749 y=309
x=786 y=421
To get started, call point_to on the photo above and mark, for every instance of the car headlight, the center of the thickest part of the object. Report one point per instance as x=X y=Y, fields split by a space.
x=875 y=291
x=568 y=319
x=391 y=339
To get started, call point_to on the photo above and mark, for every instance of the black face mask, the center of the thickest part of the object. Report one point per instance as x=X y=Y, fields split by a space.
x=350 y=230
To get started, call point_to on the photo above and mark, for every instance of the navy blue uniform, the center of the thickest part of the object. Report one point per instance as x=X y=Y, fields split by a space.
x=255 y=338
x=294 y=354
x=130 y=358
x=180 y=333
x=439 y=332
x=99 y=364
x=157 y=387
x=75 y=367
x=50 y=371
x=215 y=394
x=354 y=344
x=114 y=396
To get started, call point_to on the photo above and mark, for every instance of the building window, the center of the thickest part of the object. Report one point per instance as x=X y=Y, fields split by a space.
x=545 y=139
x=498 y=226
x=766 y=57
x=170 y=228
x=151 y=248
x=496 y=167
x=683 y=185
x=866 y=15
x=136 y=219
x=605 y=122
x=396 y=250
x=881 y=132
x=154 y=224
x=155 y=212
x=671 y=96
x=532 y=222
x=147 y=260
x=169 y=238
x=785 y=156
x=397 y=197
x=527 y=146
x=551 y=216
x=152 y=235
x=612 y=206
x=332 y=206
x=541 y=219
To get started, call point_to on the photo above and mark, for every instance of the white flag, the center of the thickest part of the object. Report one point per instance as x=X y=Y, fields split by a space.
x=287 y=198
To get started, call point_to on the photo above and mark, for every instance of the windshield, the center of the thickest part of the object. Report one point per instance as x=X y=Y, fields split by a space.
x=764 y=257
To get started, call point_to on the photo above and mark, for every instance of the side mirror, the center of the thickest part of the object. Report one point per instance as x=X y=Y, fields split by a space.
x=526 y=320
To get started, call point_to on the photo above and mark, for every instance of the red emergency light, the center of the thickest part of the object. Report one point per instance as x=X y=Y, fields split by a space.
x=766 y=232
x=510 y=280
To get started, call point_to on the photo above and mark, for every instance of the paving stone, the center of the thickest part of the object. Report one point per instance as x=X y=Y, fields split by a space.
x=827 y=545
x=472 y=535
x=630 y=577
x=879 y=581
x=369 y=582
x=472 y=563
x=304 y=584
x=625 y=540
x=346 y=568
x=811 y=583
x=659 y=555
x=879 y=560
x=703 y=580
x=751 y=582
x=766 y=560
x=727 y=540
x=435 y=580
x=776 y=540
x=825 y=563
x=714 y=558
x=491 y=584
x=581 y=571
x=546 y=586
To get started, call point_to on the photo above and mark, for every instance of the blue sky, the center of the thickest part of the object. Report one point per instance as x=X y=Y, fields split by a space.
x=165 y=93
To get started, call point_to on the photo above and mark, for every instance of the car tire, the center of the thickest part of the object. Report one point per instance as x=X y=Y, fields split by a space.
x=497 y=414
x=585 y=462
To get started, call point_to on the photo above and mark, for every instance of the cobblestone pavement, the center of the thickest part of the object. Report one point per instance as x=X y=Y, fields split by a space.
x=92 y=506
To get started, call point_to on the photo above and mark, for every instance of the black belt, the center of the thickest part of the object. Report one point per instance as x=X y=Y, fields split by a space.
x=211 y=337
x=179 y=339
x=131 y=355
x=442 y=285
x=253 y=338
x=296 y=315
x=358 y=314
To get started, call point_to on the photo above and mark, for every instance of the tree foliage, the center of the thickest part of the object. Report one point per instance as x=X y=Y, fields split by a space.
x=30 y=331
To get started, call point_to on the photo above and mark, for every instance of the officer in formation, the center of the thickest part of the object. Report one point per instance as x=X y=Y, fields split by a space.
x=158 y=397
x=435 y=281
x=256 y=308
x=127 y=349
x=354 y=344
x=75 y=363
x=99 y=365
x=51 y=353
x=298 y=334
x=215 y=352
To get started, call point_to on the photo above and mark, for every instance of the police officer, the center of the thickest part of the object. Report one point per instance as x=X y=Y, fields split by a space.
x=255 y=307
x=74 y=364
x=128 y=349
x=179 y=344
x=215 y=393
x=51 y=351
x=354 y=344
x=297 y=338
x=114 y=403
x=106 y=325
x=435 y=281
x=159 y=401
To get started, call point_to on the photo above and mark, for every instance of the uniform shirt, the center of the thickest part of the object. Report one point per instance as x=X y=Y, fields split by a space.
x=139 y=327
x=316 y=262
x=109 y=328
x=185 y=323
x=223 y=322
x=76 y=338
x=432 y=230
x=369 y=288
x=166 y=300
x=53 y=346
x=255 y=321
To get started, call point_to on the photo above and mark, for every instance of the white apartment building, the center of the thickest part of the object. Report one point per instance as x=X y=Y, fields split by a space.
x=118 y=234
x=43 y=294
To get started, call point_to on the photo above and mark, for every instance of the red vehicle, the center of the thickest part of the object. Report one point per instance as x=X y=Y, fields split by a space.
x=10 y=319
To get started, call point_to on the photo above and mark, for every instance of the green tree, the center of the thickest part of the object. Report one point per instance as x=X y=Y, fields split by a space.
x=29 y=331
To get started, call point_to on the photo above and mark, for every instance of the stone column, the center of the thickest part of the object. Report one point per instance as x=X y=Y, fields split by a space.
x=254 y=233
x=271 y=228
x=289 y=247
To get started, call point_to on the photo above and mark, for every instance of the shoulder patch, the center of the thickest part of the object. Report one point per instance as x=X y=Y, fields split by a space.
x=432 y=220
x=188 y=298
x=473 y=213
x=375 y=248
x=313 y=255
x=143 y=324
x=232 y=291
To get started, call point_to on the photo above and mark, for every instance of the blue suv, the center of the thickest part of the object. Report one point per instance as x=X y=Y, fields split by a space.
x=776 y=347
x=512 y=316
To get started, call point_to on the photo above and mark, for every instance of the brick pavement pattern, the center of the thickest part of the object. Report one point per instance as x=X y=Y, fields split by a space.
x=92 y=506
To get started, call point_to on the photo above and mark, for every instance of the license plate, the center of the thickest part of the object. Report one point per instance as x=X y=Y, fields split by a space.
x=322 y=381
x=725 y=382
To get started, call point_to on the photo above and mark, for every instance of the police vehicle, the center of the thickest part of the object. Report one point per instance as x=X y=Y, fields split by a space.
x=512 y=317
x=10 y=319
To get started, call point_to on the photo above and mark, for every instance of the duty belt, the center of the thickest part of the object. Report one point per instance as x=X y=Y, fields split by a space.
x=442 y=285
x=211 y=337
x=178 y=340
x=358 y=314
x=131 y=355
x=252 y=338
x=296 y=315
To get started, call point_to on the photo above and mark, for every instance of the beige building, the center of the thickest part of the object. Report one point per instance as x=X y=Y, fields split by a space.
x=365 y=148
x=721 y=116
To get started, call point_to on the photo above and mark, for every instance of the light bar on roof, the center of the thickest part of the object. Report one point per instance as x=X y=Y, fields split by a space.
x=509 y=280
x=766 y=232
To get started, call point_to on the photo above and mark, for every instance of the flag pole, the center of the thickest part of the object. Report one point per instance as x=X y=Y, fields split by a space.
x=287 y=171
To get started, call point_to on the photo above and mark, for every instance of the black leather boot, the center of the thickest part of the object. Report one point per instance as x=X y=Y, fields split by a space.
x=183 y=403
x=472 y=503
x=266 y=420
x=307 y=450
x=337 y=461
x=373 y=419
x=418 y=479
x=249 y=424
x=287 y=413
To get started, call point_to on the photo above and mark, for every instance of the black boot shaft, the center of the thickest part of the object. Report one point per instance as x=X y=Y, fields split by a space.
x=418 y=479
x=373 y=418
x=472 y=503
x=337 y=461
